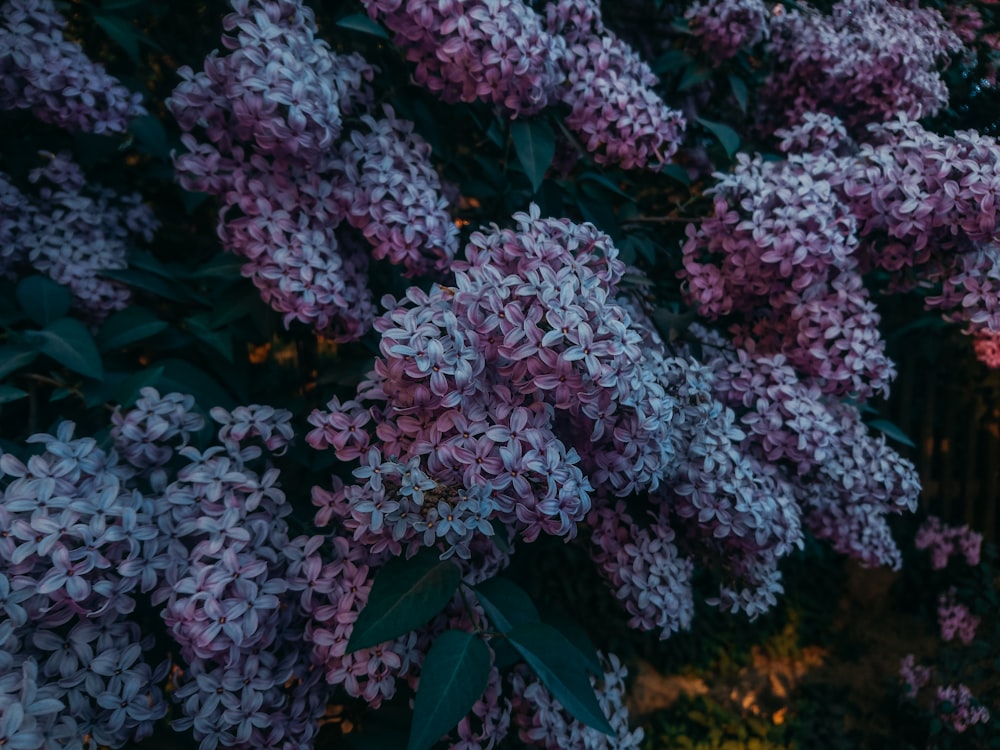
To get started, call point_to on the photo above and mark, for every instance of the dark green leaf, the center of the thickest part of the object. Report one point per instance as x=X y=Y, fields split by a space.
x=676 y=172
x=122 y=32
x=740 y=92
x=146 y=281
x=364 y=24
x=10 y=393
x=43 y=299
x=221 y=266
x=13 y=358
x=535 y=144
x=128 y=326
x=693 y=75
x=220 y=341
x=151 y=136
x=184 y=377
x=452 y=679
x=70 y=344
x=405 y=595
x=728 y=137
x=671 y=61
x=506 y=604
x=892 y=431
x=119 y=4
x=577 y=636
x=604 y=182
x=557 y=663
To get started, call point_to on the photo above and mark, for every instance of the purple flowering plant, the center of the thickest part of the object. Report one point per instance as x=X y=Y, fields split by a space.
x=316 y=320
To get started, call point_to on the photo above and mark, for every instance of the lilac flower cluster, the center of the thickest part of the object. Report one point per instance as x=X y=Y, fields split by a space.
x=724 y=27
x=955 y=619
x=494 y=50
x=50 y=75
x=72 y=542
x=269 y=123
x=609 y=89
x=506 y=53
x=844 y=480
x=778 y=252
x=543 y=722
x=71 y=231
x=965 y=710
x=644 y=568
x=865 y=62
x=944 y=541
x=913 y=675
x=987 y=349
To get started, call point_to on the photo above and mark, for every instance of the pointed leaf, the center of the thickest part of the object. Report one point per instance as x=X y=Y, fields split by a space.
x=70 y=344
x=10 y=393
x=740 y=92
x=13 y=358
x=122 y=32
x=146 y=281
x=892 y=431
x=405 y=595
x=693 y=75
x=728 y=137
x=364 y=24
x=453 y=677
x=578 y=637
x=535 y=144
x=677 y=172
x=557 y=662
x=128 y=326
x=506 y=604
x=127 y=391
x=43 y=299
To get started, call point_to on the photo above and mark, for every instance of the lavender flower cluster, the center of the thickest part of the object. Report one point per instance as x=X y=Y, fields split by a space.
x=264 y=132
x=522 y=61
x=72 y=231
x=43 y=71
x=782 y=254
x=845 y=481
x=527 y=394
x=865 y=62
x=724 y=27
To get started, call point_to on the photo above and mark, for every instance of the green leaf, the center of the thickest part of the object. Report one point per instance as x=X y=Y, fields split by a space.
x=128 y=326
x=13 y=358
x=144 y=280
x=43 y=299
x=405 y=595
x=151 y=135
x=557 y=662
x=740 y=92
x=221 y=266
x=453 y=677
x=671 y=61
x=364 y=24
x=506 y=604
x=119 y=4
x=184 y=377
x=578 y=637
x=220 y=341
x=70 y=344
x=892 y=431
x=678 y=173
x=604 y=182
x=693 y=75
x=10 y=393
x=122 y=32
x=728 y=137
x=535 y=144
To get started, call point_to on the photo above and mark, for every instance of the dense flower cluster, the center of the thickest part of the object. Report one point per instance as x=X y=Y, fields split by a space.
x=72 y=231
x=845 y=480
x=73 y=539
x=543 y=722
x=495 y=50
x=506 y=53
x=610 y=91
x=865 y=62
x=987 y=349
x=269 y=118
x=724 y=27
x=42 y=71
x=913 y=675
x=944 y=541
